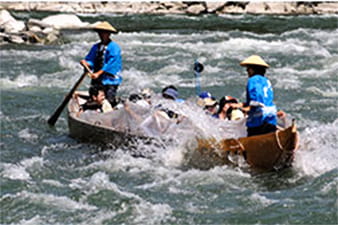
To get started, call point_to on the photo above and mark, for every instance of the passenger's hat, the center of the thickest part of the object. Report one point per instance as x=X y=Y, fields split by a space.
x=205 y=94
x=254 y=60
x=202 y=96
x=209 y=102
x=171 y=92
x=236 y=114
x=104 y=26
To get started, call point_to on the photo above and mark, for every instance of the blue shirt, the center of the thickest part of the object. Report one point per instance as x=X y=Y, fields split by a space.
x=259 y=95
x=112 y=63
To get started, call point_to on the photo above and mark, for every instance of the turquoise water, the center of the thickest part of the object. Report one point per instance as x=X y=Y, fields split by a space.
x=49 y=178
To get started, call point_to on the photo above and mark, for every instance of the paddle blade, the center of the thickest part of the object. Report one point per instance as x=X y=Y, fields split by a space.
x=52 y=120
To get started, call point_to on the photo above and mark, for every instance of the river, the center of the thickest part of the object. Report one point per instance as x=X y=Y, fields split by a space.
x=49 y=178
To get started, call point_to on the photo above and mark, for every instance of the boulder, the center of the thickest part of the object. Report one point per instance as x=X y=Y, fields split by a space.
x=10 y=25
x=53 y=37
x=35 y=29
x=196 y=9
x=233 y=8
x=35 y=22
x=17 y=39
x=326 y=7
x=214 y=6
x=64 y=21
x=256 y=7
x=276 y=8
x=304 y=8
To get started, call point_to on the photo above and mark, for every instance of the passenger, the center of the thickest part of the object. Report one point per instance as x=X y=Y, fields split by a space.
x=147 y=94
x=210 y=106
x=96 y=101
x=262 y=112
x=170 y=92
x=139 y=100
x=208 y=102
x=106 y=62
x=203 y=96
x=224 y=112
x=235 y=114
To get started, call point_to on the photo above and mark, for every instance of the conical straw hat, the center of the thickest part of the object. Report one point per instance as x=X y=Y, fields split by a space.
x=254 y=60
x=104 y=26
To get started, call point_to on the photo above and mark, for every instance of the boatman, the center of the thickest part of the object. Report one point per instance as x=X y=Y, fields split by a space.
x=104 y=58
x=262 y=112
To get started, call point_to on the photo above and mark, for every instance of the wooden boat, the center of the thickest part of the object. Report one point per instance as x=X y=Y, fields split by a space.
x=271 y=151
x=96 y=132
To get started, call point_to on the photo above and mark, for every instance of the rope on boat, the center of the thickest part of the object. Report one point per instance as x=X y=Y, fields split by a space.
x=240 y=145
x=278 y=141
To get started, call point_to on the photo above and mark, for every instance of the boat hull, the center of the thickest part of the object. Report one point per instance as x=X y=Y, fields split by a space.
x=272 y=151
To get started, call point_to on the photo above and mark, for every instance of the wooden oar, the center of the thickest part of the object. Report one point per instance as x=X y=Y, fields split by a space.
x=52 y=120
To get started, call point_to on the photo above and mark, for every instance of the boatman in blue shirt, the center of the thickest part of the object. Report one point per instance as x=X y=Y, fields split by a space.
x=262 y=112
x=104 y=58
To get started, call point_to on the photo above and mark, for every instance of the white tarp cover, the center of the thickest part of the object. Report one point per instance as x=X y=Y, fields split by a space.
x=150 y=120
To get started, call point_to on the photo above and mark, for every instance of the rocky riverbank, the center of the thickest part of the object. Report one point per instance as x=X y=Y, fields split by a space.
x=44 y=31
x=176 y=7
x=47 y=30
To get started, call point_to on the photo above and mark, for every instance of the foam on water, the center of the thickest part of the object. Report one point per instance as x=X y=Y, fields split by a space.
x=14 y=172
x=35 y=220
x=260 y=200
x=60 y=202
x=53 y=183
x=318 y=149
x=328 y=92
x=23 y=80
x=19 y=171
x=142 y=209
x=27 y=135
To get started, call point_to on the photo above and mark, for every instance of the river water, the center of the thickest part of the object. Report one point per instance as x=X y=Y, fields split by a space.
x=49 y=178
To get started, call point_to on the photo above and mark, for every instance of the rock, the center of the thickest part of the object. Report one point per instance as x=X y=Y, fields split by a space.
x=140 y=7
x=304 y=8
x=9 y=24
x=196 y=9
x=233 y=8
x=52 y=38
x=174 y=5
x=214 y=6
x=280 y=8
x=35 y=29
x=47 y=30
x=35 y=22
x=276 y=7
x=3 y=37
x=256 y=7
x=15 y=38
x=290 y=8
x=191 y=7
x=326 y=7
x=64 y=21
x=32 y=37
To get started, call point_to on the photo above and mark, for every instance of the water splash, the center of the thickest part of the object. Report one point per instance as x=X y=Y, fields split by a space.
x=317 y=153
